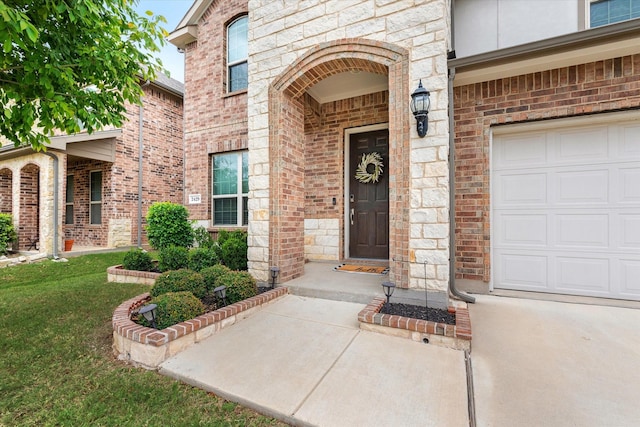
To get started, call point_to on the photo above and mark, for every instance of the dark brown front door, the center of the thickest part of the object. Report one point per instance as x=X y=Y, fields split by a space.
x=369 y=202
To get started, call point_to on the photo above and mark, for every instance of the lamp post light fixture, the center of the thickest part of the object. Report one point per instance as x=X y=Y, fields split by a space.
x=221 y=293
x=420 y=103
x=275 y=271
x=149 y=313
x=388 y=287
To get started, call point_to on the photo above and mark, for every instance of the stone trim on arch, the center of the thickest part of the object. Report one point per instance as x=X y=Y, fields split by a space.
x=286 y=129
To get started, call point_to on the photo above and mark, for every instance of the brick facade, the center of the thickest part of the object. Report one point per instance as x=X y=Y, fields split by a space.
x=215 y=121
x=597 y=87
x=27 y=179
x=162 y=173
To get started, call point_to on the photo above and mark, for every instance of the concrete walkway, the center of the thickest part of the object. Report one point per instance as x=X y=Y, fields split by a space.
x=305 y=361
x=542 y=363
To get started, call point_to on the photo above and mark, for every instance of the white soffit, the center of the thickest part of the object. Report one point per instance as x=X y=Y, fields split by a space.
x=549 y=62
x=347 y=85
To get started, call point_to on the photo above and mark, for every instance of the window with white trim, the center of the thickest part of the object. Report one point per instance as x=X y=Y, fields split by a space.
x=230 y=175
x=95 y=199
x=237 y=52
x=68 y=207
x=604 y=12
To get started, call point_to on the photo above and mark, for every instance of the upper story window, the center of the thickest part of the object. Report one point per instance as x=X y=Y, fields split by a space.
x=604 y=12
x=237 y=52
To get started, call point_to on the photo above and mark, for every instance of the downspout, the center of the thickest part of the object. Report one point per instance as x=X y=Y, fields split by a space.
x=452 y=175
x=56 y=192
x=140 y=159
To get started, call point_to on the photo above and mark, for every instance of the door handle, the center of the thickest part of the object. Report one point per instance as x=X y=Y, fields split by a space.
x=351 y=215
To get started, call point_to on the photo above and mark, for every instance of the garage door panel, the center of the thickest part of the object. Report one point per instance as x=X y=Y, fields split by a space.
x=629 y=226
x=629 y=143
x=630 y=278
x=629 y=185
x=530 y=149
x=578 y=146
x=582 y=230
x=582 y=275
x=522 y=188
x=585 y=186
x=526 y=271
x=522 y=229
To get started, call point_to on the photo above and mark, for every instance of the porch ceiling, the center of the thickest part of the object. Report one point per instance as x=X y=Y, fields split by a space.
x=348 y=85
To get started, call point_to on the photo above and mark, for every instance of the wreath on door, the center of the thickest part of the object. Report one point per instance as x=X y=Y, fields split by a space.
x=370 y=168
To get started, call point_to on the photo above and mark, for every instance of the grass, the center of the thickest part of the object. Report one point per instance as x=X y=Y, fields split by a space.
x=57 y=365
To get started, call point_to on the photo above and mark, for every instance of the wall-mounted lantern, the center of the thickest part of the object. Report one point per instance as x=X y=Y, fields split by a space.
x=420 y=103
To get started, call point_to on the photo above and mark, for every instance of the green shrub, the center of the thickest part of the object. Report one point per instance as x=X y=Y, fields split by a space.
x=203 y=237
x=168 y=224
x=173 y=258
x=179 y=280
x=233 y=249
x=240 y=285
x=201 y=258
x=7 y=232
x=176 y=307
x=212 y=274
x=137 y=259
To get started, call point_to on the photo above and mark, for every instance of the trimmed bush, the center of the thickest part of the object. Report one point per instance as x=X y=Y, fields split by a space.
x=211 y=275
x=173 y=258
x=168 y=225
x=176 y=307
x=240 y=285
x=137 y=259
x=233 y=249
x=201 y=258
x=203 y=237
x=180 y=280
x=7 y=232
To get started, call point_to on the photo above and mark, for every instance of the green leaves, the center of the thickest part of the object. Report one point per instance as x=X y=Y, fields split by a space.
x=54 y=50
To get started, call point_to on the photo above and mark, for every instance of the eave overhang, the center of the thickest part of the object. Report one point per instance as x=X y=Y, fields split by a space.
x=591 y=45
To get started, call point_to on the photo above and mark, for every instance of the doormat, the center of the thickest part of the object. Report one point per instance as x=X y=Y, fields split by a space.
x=367 y=269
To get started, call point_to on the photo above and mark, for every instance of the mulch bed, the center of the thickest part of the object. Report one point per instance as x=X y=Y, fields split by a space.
x=418 y=312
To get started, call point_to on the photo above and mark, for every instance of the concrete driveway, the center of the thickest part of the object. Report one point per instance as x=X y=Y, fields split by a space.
x=541 y=363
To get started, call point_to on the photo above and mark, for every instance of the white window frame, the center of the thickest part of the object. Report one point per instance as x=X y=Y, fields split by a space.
x=95 y=202
x=237 y=62
x=587 y=13
x=67 y=203
x=239 y=195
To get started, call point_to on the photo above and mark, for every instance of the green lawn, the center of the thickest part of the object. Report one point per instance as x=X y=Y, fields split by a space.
x=57 y=365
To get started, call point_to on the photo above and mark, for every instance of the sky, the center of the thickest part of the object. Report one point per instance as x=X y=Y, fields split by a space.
x=173 y=11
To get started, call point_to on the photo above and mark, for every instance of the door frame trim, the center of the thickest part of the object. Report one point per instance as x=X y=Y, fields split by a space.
x=347 y=179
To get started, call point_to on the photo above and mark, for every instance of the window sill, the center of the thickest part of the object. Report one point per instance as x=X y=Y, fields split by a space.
x=236 y=93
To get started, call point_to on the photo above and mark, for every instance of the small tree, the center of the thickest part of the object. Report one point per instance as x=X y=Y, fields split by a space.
x=7 y=232
x=168 y=225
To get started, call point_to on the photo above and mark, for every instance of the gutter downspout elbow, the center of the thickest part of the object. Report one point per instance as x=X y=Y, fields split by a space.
x=452 y=199
x=56 y=193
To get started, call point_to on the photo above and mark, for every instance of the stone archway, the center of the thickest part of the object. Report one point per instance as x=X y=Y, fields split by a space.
x=29 y=221
x=286 y=150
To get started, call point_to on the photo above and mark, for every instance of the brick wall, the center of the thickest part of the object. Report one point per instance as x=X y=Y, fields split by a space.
x=596 y=87
x=215 y=121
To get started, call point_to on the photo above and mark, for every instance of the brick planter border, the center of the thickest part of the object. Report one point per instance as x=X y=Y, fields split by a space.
x=456 y=336
x=119 y=275
x=148 y=348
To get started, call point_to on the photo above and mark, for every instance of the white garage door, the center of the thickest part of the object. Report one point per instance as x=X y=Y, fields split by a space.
x=566 y=210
